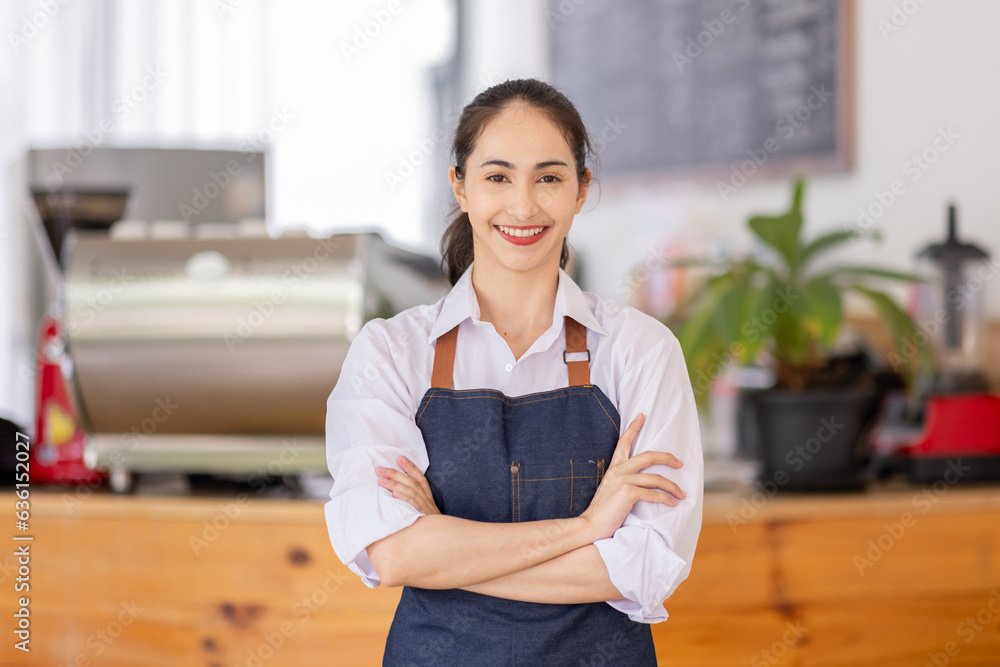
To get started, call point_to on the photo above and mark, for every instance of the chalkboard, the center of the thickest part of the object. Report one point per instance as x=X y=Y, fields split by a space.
x=708 y=87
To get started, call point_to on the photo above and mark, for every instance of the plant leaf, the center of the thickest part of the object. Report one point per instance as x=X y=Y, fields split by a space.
x=734 y=308
x=833 y=239
x=755 y=330
x=781 y=232
x=789 y=310
x=823 y=310
x=695 y=332
x=851 y=271
x=903 y=330
x=798 y=187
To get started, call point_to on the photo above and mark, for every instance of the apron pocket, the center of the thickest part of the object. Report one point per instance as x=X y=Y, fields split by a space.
x=553 y=489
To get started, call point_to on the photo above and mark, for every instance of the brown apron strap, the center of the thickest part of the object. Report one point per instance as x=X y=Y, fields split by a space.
x=576 y=341
x=444 y=360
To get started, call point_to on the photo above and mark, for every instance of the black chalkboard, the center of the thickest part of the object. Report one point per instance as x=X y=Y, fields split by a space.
x=708 y=86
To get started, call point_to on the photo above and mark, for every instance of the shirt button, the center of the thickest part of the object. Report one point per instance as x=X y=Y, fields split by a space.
x=509 y=366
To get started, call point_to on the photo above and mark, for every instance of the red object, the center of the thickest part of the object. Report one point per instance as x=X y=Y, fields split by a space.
x=57 y=455
x=967 y=424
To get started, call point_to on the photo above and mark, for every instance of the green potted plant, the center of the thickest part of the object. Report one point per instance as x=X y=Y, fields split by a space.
x=786 y=312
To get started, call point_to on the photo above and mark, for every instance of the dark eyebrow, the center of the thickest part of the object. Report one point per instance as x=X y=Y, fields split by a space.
x=540 y=165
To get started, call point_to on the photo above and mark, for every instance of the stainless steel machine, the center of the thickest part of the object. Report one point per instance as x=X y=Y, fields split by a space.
x=207 y=346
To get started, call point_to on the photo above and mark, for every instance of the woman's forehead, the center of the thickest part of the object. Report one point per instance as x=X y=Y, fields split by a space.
x=525 y=132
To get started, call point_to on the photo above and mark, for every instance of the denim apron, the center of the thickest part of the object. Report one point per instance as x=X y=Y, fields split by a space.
x=499 y=458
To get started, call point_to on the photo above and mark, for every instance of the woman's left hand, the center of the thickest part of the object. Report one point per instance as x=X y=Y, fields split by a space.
x=410 y=485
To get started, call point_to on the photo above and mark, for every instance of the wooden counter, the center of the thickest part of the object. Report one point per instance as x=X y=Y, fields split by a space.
x=904 y=576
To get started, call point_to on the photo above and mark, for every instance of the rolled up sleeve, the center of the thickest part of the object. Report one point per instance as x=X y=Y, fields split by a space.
x=651 y=553
x=369 y=423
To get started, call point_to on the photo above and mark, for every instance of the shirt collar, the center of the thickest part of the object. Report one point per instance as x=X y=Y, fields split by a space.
x=461 y=303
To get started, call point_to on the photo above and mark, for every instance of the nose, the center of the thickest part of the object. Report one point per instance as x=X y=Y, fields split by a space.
x=523 y=204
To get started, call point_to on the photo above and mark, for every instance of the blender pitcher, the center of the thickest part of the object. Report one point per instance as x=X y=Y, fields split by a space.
x=950 y=309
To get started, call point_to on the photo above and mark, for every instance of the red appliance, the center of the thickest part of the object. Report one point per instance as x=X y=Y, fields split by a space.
x=961 y=434
x=58 y=453
x=958 y=435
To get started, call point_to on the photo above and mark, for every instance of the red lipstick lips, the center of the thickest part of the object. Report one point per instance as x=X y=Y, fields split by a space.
x=522 y=240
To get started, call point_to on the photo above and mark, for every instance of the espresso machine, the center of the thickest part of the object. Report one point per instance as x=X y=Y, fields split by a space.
x=203 y=348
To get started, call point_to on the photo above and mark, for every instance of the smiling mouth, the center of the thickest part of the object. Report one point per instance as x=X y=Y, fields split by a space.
x=522 y=232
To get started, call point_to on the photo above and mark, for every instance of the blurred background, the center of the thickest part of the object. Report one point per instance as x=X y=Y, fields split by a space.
x=202 y=201
x=363 y=131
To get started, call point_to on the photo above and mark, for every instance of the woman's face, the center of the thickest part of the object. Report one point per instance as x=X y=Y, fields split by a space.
x=519 y=179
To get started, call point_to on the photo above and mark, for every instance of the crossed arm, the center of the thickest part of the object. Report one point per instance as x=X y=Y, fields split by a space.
x=549 y=561
x=575 y=577
x=552 y=561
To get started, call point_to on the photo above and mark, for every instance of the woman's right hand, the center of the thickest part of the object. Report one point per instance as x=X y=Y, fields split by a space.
x=623 y=484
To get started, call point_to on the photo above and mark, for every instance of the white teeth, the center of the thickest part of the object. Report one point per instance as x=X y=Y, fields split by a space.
x=521 y=233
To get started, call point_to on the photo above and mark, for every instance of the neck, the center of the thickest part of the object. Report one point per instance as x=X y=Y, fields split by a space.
x=516 y=303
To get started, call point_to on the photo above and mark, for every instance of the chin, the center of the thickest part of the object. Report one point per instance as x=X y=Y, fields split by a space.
x=527 y=261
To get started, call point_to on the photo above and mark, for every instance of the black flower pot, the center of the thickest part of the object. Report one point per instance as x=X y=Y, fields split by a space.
x=816 y=440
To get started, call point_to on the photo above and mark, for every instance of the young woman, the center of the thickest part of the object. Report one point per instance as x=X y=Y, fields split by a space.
x=476 y=443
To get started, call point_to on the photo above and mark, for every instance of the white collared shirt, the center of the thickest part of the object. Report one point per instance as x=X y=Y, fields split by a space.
x=634 y=359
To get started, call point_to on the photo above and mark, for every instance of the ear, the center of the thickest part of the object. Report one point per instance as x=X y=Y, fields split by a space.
x=458 y=187
x=581 y=196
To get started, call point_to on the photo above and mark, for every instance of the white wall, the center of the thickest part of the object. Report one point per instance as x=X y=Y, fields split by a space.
x=356 y=155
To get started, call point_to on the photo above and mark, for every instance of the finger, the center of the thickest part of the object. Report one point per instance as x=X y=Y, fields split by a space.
x=388 y=473
x=622 y=452
x=404 y=494
x=416 y=491
x=396 y=480
x=409 y=467
x=637 y=423
x=653 y=480
x=654 y=457
x=412 y=476
x=401 y=486
x=653 y=496
x=392 y=473
x=420 y=502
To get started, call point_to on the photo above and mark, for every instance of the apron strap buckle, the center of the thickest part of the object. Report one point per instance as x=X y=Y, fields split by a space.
x=576 y=341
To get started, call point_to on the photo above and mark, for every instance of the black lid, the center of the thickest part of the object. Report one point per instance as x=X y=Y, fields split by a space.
x=952 y=250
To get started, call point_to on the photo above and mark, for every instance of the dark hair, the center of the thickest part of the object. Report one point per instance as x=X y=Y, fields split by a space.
x=456 y=243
